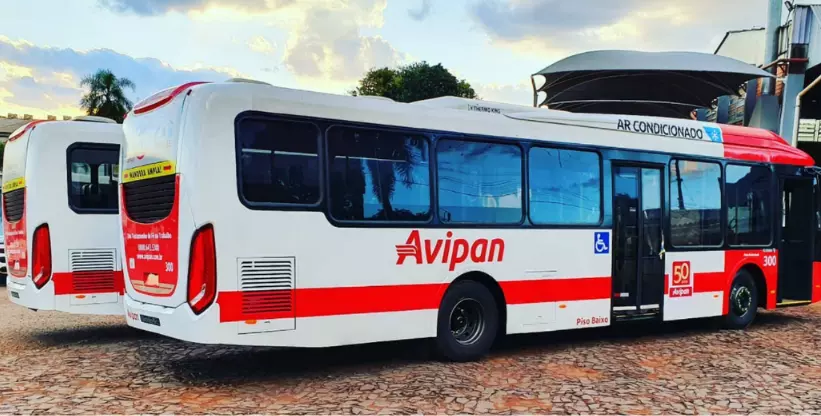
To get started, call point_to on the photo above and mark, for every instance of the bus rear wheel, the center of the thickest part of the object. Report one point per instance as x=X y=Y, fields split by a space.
x=468 y=322
x=743 y=302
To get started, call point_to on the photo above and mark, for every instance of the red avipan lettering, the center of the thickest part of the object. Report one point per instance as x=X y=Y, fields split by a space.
x=454 y=251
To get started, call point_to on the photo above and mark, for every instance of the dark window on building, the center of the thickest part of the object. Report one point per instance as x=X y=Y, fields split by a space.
x=479 y=182
x=278 y=161
x=695 y=203
x=749 y=205
x=378 y=175
x=565 y=186
x=93 y=178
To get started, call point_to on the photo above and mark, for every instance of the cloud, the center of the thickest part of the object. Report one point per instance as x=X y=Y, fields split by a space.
x=422 y=12
x=521 y=94
x=564 y=27
x=160 y=7
x=39 y=79
x=261 y=45
x=327 y=42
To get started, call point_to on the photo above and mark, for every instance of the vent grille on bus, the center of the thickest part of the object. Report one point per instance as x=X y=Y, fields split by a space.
x=149 y=200
x=267 y=285
x=13 y=204
x=93 y=270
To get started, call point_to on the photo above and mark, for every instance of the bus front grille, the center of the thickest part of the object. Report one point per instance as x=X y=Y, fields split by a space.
x=13 y=204
x=150 y=200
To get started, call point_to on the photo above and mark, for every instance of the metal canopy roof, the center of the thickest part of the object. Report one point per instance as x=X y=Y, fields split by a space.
x=669 y=84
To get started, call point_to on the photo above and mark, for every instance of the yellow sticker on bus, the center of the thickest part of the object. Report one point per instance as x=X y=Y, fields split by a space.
x=14 y=184
x=154 y=170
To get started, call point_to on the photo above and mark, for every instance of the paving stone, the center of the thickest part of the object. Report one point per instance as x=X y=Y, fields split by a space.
x=72 y=364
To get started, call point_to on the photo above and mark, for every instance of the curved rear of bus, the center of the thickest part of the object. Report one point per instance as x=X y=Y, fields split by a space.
x=60 y=216
x=153 y=213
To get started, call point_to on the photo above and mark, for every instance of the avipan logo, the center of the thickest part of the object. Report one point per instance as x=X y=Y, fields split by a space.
x=449 y=251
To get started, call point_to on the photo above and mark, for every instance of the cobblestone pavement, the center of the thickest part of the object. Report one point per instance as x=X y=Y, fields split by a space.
x=57 y=363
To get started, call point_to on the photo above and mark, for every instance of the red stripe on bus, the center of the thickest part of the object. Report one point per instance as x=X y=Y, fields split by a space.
x=556 y=290
x=709 y=282
x=315 y=302
x=312 y=302
x=702 y=282
x=816 y=282
x=64 y=283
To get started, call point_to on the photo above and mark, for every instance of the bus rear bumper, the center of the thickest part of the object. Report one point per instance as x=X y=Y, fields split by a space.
x=175 y=322
x=315 y=332
x=22 y=292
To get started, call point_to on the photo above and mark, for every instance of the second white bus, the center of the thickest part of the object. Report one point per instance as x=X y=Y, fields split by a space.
x=60 y=216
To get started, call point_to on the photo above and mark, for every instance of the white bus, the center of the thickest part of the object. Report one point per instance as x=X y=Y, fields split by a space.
x=259 y=215
x=60 y=216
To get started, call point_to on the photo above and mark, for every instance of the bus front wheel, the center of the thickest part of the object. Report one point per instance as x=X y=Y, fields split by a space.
x=743 y=302
x=468 y=322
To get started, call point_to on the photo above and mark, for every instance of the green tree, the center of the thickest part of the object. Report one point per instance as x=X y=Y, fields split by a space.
x=2 y=151
x=106 y=95
x=414 y=82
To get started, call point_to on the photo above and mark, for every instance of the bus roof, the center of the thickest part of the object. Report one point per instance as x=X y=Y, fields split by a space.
x=467 y=116
x=85 y=119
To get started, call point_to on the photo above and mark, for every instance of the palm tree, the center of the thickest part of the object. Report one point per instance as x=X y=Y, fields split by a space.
x=384 y=174
x=106 y=95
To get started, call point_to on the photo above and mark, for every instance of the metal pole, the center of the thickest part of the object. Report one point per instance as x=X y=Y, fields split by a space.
x=771 y=40
x=794 y=138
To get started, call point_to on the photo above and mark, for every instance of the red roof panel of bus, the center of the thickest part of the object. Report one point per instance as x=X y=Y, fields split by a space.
x=21 y=131
x=760 y=145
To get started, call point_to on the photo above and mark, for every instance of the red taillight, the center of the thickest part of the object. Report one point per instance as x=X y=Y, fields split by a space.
x=41 y=257
x=202 y=271
x=163 y=97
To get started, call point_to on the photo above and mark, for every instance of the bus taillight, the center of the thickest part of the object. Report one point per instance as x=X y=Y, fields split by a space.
x=202 y=272
x=41 y=257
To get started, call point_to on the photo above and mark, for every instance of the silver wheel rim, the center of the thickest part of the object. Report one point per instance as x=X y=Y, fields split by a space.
x=742 y=300
x=467 y=321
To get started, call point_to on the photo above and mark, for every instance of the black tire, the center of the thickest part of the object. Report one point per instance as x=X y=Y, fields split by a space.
x=460 y=305
x=743 y=302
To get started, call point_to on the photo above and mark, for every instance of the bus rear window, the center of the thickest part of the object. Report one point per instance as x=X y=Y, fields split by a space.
x=278 y=161
x=93 y=172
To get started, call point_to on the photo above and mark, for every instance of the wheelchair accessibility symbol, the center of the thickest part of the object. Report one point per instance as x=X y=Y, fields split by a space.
x=601 y=243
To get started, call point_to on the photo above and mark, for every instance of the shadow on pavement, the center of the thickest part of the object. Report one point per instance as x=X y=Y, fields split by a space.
x=229 y=365
x=237 y=365
x=92 y=335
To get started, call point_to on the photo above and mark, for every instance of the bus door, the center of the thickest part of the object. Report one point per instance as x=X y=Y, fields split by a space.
x=638 y=257
x=797 y=237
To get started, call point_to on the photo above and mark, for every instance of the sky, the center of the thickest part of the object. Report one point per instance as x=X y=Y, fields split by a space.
x=48 y=46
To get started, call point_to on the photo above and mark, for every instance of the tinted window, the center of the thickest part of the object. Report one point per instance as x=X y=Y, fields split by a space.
x=749 y=211
x=278 y=161
x=93 y=178
x=565 y=187
x=378 y=175
x=479 y=182
x=695 y=203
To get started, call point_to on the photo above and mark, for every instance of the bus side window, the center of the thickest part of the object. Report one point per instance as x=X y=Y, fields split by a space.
x=92 y=183
x=279 y=161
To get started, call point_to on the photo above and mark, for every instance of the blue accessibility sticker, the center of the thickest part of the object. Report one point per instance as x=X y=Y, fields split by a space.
x=601 y=243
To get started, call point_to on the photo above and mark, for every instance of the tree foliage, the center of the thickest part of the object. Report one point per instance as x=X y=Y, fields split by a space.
x=106 y=95
x=414 y=82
